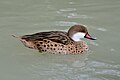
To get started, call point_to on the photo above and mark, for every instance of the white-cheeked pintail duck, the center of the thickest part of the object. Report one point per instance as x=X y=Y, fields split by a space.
x=58 y=42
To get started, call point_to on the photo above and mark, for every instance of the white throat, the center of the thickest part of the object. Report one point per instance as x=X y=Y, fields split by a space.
x=77 y=36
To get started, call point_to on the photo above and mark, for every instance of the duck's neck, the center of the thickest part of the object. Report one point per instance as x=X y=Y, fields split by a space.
x=77 y=36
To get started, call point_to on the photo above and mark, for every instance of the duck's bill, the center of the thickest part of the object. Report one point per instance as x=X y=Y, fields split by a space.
x=90 y=37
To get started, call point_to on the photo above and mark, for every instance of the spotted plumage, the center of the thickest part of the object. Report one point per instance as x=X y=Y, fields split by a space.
x=58 y=42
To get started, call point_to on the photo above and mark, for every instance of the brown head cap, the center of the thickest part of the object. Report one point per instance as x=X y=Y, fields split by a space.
x=76 y=28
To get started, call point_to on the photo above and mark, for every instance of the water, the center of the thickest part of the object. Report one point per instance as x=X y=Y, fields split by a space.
x=21 y=17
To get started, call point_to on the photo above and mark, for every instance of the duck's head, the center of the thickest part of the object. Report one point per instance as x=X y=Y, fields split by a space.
x=77 y=32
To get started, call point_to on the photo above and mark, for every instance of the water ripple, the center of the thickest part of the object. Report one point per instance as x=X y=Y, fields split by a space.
x=101 y=64
x=65 y=23
x=108 y=72
x=68 y=9
x=102 y=29
x=94 y=43
x=75 y=15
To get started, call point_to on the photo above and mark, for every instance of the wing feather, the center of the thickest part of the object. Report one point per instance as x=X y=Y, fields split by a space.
x=55 y=36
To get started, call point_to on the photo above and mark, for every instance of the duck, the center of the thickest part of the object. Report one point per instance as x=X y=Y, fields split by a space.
x=58 y=42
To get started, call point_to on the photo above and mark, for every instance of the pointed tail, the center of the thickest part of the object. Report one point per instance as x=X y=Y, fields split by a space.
x=18 y=37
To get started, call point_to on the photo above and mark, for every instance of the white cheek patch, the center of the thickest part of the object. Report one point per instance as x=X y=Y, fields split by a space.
x=78 y=36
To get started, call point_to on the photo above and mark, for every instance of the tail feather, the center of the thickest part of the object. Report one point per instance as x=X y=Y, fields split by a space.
x=26 y=43
x=18 y=37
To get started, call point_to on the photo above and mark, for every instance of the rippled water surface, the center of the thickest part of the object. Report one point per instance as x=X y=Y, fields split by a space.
x=20 y=17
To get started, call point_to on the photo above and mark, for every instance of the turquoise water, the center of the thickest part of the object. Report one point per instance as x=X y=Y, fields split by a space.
x=21 y=17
